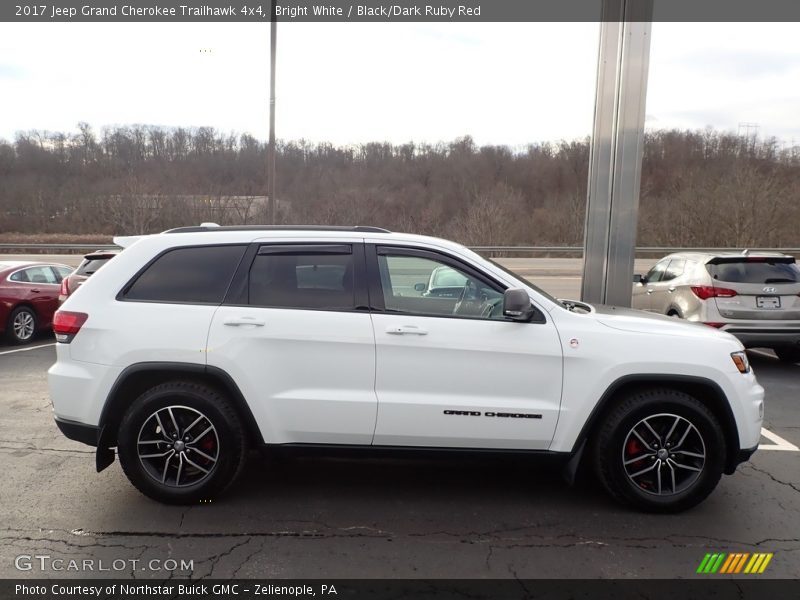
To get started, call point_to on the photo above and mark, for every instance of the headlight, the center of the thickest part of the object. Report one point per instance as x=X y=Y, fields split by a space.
x=741 y=362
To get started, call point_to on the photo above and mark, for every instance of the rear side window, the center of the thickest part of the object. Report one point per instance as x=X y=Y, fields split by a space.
x=304 y=279
x=755 y=271
x=194 y=274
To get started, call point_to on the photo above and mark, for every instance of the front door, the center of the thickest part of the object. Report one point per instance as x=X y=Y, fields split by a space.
x=451 y=370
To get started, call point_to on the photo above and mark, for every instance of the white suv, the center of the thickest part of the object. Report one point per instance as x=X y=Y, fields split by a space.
x=194 y=345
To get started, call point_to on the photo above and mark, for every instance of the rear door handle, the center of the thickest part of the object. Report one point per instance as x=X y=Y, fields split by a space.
x=405 y=330
x=672 y=289
x=236 y=321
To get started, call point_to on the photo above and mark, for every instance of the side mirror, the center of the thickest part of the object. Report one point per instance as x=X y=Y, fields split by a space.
x=517 y=305
x=420 y=287
x=639 y=279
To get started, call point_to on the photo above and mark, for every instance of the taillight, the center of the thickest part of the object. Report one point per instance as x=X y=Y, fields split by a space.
x=67 y=324
x=716 y=325
x=704 y=292
x=64 y=291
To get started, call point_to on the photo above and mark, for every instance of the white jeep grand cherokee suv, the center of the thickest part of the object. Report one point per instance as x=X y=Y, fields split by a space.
x=196 y=344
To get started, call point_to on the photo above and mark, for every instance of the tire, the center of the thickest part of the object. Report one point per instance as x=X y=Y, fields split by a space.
x=206 y=465
x=637 y=483
x=791 y=355
x=22 y=325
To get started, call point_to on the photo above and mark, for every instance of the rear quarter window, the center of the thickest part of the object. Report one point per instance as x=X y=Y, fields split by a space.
x=195 y=274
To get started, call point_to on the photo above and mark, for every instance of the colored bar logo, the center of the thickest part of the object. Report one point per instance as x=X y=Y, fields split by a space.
x=735 y=563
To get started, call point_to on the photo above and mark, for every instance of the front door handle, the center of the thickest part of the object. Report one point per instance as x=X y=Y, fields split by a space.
x=237 y=321
x=406 y=329
x=650 y=290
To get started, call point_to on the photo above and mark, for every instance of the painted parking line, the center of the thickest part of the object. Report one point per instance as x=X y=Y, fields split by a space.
x=778 y=442
x=29 y=348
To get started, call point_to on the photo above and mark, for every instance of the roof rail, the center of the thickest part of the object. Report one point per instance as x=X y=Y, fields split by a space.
x=206 y=227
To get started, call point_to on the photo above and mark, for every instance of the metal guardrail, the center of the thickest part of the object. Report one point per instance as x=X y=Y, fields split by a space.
x=506 y=249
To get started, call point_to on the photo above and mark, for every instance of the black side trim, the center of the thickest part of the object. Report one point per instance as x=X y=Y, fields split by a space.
x=728 y=421
x=111 y=414
x=79 y=432
x=368 y=451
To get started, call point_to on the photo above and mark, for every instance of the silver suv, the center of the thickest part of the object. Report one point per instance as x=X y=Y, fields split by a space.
x=752 y=295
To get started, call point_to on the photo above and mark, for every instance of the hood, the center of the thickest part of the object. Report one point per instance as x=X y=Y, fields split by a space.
x=639 y=321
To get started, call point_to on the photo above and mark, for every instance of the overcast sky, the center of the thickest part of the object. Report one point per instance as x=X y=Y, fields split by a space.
x=348 y=83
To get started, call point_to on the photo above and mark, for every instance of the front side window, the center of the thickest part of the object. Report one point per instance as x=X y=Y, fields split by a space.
x=199 y=274
x=321 y=281
x=657 y=272
x=425 y=286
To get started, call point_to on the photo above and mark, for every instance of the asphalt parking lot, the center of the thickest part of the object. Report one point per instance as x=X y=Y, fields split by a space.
x=363 y=518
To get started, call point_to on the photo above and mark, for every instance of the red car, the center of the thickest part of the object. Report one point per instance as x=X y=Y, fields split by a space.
x=28 y=297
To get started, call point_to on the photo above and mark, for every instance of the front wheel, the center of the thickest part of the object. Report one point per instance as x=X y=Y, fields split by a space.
x=660 y=450
x=181 y=442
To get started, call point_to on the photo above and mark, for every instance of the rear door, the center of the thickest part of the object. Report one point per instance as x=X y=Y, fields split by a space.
x=295 y=334
x=764 y=288
x=451 y=370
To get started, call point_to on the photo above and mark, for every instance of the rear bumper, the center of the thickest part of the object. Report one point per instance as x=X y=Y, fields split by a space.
x=80 y=432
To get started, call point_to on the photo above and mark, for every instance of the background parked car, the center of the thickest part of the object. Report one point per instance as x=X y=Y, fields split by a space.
x=91 y=263
x=28 y=297
x=754 y=296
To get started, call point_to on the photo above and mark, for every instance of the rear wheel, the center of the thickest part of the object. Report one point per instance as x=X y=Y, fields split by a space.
x=181 y=442
x=788 y=354
x=660 y=450
x=21 y=326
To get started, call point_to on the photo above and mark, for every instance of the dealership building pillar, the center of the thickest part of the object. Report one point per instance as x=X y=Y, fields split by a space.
x=615 y=161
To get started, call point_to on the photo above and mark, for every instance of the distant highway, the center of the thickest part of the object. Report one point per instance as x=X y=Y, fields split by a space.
x=560 y=277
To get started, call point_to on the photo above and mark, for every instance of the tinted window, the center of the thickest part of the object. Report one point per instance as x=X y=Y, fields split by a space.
x=423 y=286
x=675 y=269
x=198 y=274
x=303 y=280
x=91 y=265
x=755 y=272
x=35 y=275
